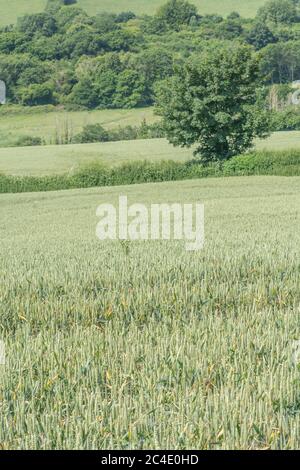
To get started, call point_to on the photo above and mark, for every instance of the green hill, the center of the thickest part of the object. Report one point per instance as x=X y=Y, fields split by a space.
x=10 y=11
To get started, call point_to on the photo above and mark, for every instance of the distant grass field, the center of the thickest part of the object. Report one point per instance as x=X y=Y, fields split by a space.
x=144 y=345
x=223 y=7
x=44 y=124
x=12 y=9
x=61 y=159
x=58 y=159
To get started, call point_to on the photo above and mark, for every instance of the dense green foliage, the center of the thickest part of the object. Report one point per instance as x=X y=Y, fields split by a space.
x=176 y=13
x=279 y=12
x=286 y=120
x=286 y=163
x=63 y=56
x=211 y=102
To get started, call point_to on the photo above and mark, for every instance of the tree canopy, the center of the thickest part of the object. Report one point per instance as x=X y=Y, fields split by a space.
x=210 y=102
x=125 y=56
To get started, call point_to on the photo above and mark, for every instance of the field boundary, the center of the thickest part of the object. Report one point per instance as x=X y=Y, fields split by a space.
x=97 y=175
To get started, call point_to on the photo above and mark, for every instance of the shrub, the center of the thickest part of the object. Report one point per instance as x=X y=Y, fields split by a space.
x=125 y=16
x=286 y=120
x=96 y=133
x=28 y=141
x=36 y=94
x=91 y=133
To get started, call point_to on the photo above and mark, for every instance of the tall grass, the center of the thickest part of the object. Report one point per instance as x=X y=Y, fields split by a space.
x=63 y=133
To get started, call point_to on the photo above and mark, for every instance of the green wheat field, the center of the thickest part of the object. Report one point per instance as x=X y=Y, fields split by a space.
x=142 y=344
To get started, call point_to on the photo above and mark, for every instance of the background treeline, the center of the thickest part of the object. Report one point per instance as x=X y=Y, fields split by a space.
x=65 y=57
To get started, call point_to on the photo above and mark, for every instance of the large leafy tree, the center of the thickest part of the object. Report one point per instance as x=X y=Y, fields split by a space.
x=36 y=94
x=210 y=101
x=260 y=36
x=154 y=64
x=129 y=90
x=280 y=63
x=278 y=12
x=176 y=13
x=42 y=23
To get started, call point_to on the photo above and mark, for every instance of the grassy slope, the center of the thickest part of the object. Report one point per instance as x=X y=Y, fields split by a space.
x=154 y=346
x=44 y=124
x=247 y=8
x=28 y=121
x=12 y=9
x=60 y=159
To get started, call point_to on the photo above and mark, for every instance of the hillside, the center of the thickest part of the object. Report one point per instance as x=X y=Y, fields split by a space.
x=223 y=7
x=11 y=10
x=37 y=122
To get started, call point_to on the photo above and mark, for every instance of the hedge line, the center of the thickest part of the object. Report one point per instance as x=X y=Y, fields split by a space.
x=285 y=163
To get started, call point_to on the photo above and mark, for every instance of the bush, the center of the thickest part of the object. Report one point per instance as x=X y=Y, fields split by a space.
x=125 y=16
x=28 y=141
x=36 y=94
x=96 y=133
x=284 y=163
x=286 y=120
x=91 y=133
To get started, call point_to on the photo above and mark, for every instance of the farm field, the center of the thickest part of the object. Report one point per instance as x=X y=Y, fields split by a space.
x=58 y=159
x=45 y=124
x=11 y=10
x=144 y=345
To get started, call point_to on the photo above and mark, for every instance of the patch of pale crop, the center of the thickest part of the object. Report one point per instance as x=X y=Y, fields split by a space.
x=143 y=345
